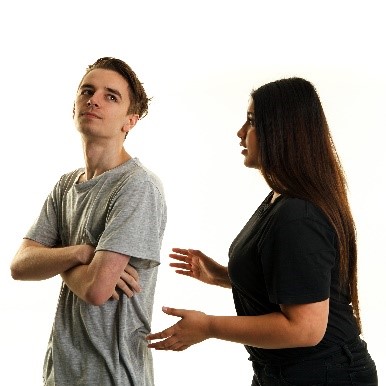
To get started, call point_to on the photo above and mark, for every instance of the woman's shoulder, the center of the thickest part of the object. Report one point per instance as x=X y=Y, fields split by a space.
x=291 y=209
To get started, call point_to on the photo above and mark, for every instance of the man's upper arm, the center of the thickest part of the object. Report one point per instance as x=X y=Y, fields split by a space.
x=105 y=271
x=135 y=224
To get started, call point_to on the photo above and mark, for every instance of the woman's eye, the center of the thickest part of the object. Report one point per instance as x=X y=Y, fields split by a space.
x=251 y=121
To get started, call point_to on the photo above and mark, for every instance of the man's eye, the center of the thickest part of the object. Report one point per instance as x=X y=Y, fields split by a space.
x=251 y=121
x=112 y=97
x=86 y=92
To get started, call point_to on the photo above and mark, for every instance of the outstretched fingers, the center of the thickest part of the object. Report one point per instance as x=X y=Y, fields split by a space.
x=183 y=258
x=168 y=339
x=181 y=251
x=165 y=334
x=185 y=265
x=180 y=265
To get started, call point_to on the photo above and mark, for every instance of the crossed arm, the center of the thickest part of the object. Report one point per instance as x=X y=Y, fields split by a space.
x=93 y=276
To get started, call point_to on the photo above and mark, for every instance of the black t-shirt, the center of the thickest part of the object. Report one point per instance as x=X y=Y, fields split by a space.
x=287 y=253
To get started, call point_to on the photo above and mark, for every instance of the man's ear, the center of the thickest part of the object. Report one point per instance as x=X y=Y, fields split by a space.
x=131 y=121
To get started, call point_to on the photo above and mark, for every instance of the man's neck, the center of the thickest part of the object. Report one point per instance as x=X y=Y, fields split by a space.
x=99 y=159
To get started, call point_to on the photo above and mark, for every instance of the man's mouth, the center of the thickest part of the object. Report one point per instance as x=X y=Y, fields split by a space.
x=89 y=114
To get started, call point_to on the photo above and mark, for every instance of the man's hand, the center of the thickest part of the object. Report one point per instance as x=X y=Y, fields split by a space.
x=128 y=283
x=85 y=253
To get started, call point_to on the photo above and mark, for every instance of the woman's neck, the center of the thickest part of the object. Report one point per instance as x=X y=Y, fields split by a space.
x=274 y=197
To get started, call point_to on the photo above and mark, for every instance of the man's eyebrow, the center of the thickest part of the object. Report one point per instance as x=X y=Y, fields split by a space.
x=86 y=85
x=109 y=89
x=250 y=114
x=113 y=91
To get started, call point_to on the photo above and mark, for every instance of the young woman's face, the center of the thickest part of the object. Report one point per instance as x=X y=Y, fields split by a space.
x=248 y=137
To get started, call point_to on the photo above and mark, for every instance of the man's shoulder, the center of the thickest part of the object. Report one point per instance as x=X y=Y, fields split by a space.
x=68 y=179
x=136 y=173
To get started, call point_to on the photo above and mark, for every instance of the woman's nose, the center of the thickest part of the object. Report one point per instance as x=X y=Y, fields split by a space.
x=240 y=132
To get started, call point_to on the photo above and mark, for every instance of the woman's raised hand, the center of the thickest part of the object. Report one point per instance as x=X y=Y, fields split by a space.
x=195 y=264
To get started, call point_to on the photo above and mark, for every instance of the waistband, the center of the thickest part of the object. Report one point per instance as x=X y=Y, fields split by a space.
x=345 y=348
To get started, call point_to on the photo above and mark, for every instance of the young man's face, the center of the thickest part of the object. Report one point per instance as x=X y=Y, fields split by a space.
x=101 y=105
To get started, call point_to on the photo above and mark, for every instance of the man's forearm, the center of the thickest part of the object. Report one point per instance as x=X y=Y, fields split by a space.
x=95 y=283
x=77 y=280
x=36 y=262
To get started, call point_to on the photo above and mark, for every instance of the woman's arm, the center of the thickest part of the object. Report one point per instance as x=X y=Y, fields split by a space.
x=301 y=325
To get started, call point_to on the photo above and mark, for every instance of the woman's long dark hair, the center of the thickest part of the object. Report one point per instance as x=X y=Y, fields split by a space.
x=298 y=159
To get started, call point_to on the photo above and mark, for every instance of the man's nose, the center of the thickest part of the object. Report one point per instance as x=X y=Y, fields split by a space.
x=92 y=103
x=94 y=100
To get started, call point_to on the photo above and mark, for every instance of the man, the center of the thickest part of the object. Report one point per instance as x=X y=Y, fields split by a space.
x=95 y=222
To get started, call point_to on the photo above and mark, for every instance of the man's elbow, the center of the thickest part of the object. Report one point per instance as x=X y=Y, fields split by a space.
x=17 y=272
x=96 y=296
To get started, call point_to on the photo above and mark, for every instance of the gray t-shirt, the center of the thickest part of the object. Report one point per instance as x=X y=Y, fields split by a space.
x=122 y=210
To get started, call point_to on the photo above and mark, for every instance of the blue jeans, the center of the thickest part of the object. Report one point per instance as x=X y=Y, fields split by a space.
x=346 y=365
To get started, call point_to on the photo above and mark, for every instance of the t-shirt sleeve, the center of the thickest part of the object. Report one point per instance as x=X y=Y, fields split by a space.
x=298 y=267
x=134 y=225
x=45 y=228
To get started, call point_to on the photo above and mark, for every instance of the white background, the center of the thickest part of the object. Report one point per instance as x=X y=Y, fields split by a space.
x=199 y=60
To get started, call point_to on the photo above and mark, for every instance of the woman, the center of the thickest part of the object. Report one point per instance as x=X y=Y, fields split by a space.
x=293 y=267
